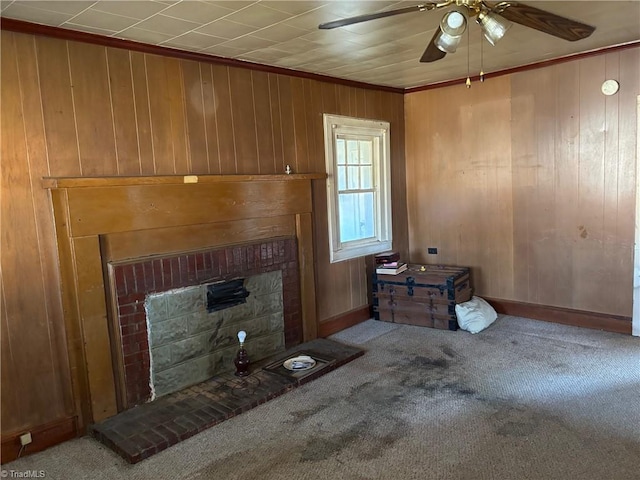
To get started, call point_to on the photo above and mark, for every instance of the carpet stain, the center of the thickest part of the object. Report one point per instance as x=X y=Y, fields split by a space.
x=514 y=420
x=319 y=448
x=371 y=395
x=461 y=390
x=448 y=351
x=380 y=444
x=362 y=438
x=432 y=376
x=427 y=363
x=245 y=464
x=300 y=416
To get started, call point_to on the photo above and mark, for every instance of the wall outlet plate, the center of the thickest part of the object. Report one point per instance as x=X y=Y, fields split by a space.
x=432 y=250
x=25 y=439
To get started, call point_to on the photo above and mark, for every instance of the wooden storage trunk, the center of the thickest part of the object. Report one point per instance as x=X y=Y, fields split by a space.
x=424 y=295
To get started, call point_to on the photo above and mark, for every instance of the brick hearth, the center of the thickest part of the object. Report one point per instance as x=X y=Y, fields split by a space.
x=147 y=429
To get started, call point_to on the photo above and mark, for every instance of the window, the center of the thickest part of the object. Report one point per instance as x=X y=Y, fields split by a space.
x=359 y=186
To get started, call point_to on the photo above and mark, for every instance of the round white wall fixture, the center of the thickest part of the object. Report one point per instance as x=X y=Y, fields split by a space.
x=610 y=87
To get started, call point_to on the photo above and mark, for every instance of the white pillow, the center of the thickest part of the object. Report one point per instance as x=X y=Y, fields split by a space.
x=475 y=315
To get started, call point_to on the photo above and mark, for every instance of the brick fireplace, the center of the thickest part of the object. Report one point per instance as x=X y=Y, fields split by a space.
x=135 y=281
x=121 y=238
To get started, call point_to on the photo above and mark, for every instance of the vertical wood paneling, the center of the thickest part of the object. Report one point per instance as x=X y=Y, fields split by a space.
x=244 y=121
x=287 y=123
x=226 y=141
x=57 y=106
x=544 y=201
x=457 y=152
x=588 y=251
x=312 y=105
x=398 y=176
x=210 y=118
x=567 y=153
x=168 y=124
x=160 y=115
x=523 y=181
x=626 y=161
x=546 y=217
x=301 y=137
x=124 y=113
x=177 y=109
x=626 y=158
x=12 y=148
x=612 y=252
x=29 y=353
x=264 y=124
x=329 y=98
x=304 y=233
x=344 y=100
x=142 y=114
x=38 y=168
x=360 y=107
x=196 y=135
x=92 y=107
x=315 y=128
x=276 y=125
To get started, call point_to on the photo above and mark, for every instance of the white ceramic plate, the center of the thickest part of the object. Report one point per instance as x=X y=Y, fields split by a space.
x=302 y=362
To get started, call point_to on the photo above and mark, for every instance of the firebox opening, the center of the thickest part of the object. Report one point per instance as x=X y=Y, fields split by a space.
x=190 y=342
x=226 y=294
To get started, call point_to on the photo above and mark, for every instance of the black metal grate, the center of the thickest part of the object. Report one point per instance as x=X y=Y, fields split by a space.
x=226 y=294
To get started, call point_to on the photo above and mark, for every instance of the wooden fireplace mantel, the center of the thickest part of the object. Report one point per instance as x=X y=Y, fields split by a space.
x=112 y=181
x=110 y=219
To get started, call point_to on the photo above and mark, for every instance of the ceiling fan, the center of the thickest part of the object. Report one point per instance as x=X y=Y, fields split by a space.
x=494 y=20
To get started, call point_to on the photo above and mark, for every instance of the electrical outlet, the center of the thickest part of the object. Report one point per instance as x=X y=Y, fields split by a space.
x=25 y=439
x=432 y=250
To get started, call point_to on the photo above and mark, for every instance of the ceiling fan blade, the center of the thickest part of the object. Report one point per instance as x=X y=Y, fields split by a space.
x=544 y=21
x=372 y=16
x=432 y=53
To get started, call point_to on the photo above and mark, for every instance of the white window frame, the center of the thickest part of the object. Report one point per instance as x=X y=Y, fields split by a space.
x=379 y=131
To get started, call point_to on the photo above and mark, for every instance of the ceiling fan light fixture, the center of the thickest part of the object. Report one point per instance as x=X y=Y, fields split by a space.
x=493 y=26
x=452 y=27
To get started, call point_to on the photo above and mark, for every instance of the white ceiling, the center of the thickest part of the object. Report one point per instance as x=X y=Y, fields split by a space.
x=285 y=34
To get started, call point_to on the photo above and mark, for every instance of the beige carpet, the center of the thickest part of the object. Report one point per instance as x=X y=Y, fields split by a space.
x=521 y=400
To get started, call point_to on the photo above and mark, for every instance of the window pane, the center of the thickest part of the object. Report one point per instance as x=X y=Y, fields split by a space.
x=342 y=178
x=366 y=177
x=366 y=149
x=340 y=151
x=356 y=211
x=352 y=152
x=353 y=175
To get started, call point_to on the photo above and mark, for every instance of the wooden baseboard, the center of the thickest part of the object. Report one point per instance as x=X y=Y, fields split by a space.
x=340 y=322
x=566 y=316
x=43 y=436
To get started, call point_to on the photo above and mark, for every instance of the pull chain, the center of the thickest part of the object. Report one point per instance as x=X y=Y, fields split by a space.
x=481 y=56
x=468 y=82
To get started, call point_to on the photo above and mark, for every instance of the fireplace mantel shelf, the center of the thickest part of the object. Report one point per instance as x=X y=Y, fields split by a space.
x=114 y=181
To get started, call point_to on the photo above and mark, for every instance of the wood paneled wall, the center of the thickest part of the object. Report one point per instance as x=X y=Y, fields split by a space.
x=530 y=180
x=74 y=109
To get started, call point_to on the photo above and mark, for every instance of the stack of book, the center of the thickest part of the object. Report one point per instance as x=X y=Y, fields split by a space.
x=389 y=263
